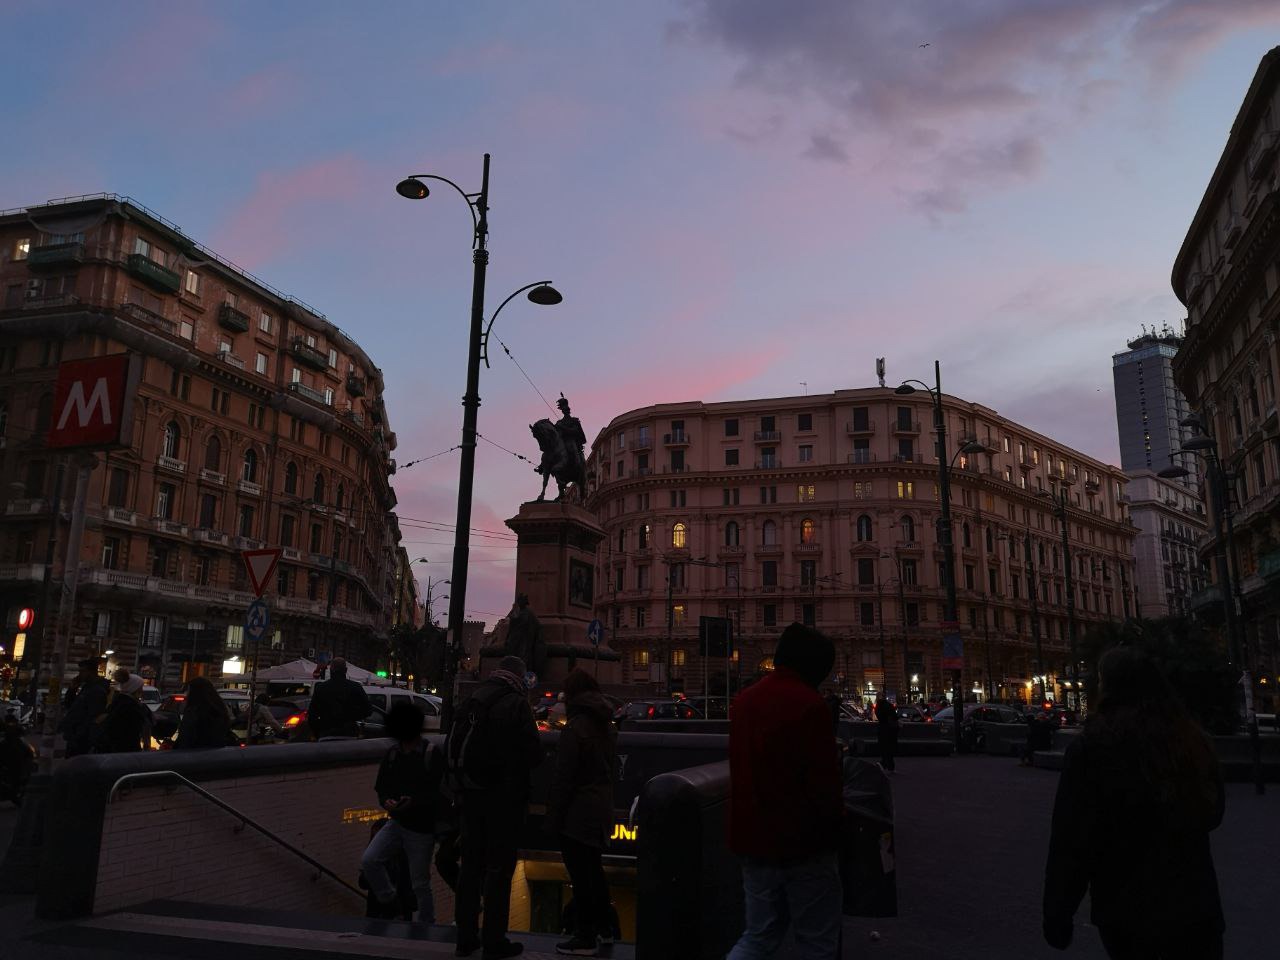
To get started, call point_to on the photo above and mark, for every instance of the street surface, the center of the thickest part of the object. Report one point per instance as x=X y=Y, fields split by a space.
x=971 y=839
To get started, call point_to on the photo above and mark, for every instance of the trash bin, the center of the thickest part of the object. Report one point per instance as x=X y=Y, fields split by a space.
x=867 y=868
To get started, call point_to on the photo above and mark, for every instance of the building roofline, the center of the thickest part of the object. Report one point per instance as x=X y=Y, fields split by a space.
x=1266 y=77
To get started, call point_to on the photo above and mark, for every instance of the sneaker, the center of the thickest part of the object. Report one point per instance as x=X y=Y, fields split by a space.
x=507 y=948
x=579 y=946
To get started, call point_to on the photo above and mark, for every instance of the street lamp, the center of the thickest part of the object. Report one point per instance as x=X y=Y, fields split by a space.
x=952 y=649
x=1059 y=501
x=542 y=293
x=1204 y=447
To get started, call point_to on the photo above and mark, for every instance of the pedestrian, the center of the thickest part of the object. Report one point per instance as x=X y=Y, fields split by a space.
x=580 y=808
x=86 y=703
x=834 y=705
x=1140 y=791
x=264 y=720
x=786 y=803
x=492 y=749
x=126 y=720
x=337 y=705
x=408 y=786
x=205 y=722
x=886 y=732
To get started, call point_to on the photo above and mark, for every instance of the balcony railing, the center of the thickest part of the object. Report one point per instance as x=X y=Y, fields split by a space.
x=768 y=436
x=142 y=315
x=315 y=396
x=150 y=272
x=121 y=515
x=355 y=386
x=908 y=458
x=52 y=300
x=249 y=487
x=230 y=359
x=309 y=355
x=677 y=438
x=210 y=536
x=355 y=416
x=768 y=464
x=1269 y=565
x=21 y=571
x=290 y=553
x=862 y=456
x=229 y=318
x=854 y=428
x=642 y=472
x=29 y=507
x=642 y=442
x=172 y=527
x=214 y=477
x=906 y=426
x=55 y=255
x=172 y=464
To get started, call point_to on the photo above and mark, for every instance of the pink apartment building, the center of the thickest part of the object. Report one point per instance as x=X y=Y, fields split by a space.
x=824 y=510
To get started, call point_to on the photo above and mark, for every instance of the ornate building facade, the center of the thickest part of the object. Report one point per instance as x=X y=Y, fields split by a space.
x=824 y=510
x=258 y=423
x=1227 y=273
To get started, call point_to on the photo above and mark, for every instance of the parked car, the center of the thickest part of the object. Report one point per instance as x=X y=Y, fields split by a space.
x=21 y=712
x=852 y=711
x=973 y=714
x=913 y=713
x=375 y=724
x=151 y=699
x=659 y=710
x=291 y=713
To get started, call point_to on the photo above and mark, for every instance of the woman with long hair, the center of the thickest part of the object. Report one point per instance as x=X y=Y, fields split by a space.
x=1140 y=791
x=206 y=722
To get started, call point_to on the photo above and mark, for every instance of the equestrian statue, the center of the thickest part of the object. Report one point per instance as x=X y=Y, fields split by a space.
x=561 y=444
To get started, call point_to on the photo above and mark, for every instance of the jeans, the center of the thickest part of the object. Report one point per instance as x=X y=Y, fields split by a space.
x=804 y=895
x=590 y=889
x=491 y=822
x=382 y=850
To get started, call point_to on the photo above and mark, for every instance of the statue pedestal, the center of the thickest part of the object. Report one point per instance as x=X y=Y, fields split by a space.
x=555 y=569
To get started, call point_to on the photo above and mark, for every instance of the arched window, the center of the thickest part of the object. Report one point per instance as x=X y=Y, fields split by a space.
x=966 y=536
x=864 y=529
x=250 y=470
x=731 y=534
x=908 y=529
x=172 y=437
x=770 y=533
x=213 y=453
x=317 y=489
x=291 y=478
x=341 y=497
x=679 y=536
x=808 y=532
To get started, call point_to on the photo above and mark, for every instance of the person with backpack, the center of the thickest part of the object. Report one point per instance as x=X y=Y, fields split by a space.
x=492 y=749
x=408 y=786
x=580 y=808
x=337 y=705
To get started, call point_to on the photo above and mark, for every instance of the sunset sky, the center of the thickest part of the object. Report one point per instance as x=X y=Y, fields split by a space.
x=734 y=197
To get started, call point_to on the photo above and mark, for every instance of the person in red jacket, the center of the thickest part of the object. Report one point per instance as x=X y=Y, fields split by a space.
x=786 y=803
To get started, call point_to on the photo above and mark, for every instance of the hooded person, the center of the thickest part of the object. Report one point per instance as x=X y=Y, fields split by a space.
x=126 y=720
x=786 y=803
x=580 y=807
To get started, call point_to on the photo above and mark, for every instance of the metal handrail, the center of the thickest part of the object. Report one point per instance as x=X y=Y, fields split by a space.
x=244 y=820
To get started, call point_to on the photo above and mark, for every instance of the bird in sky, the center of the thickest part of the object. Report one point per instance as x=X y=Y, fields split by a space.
x=923 y=45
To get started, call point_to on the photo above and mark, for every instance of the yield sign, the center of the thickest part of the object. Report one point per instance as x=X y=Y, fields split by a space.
x=260 y=564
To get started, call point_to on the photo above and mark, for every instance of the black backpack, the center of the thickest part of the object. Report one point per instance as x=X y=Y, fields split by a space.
x=474 y=747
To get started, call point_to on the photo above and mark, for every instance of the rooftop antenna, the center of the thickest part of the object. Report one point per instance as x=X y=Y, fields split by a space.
x=880 y=369
x=805 y=384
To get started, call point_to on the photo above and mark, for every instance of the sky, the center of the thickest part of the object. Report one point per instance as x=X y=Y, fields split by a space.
x=736 y=197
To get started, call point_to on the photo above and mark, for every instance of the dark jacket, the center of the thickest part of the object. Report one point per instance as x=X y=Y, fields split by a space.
x=580 y=802
x=415 y=775
x=337 y=706
x=886 y=722
x=79 y=724
x=514 y=731
x=121 y=730
x=786 y=801
x=1141 y=851
x=202 y=728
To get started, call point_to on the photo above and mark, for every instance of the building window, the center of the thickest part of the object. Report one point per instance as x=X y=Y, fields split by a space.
x=317 y=489
x=861 y=490
x=769 y=573
x=160 y=562
x=731 y=534
x=804 y=423
x=640 y=658
x=21 y=248
x=200 y=567
x=186 y=330
x=906 y=490
x=333 y=358
x=118 y=491
x=172 y=438
x=679 y=537
x=153 y=630
x=249 y=471
x=865 y=532
x=809 y=614
x=808 y=532
x=769 y=534
x=246 y=521
x=768 y=458
x=284 y=581
x=208 y=511
x=808 y=573
x=904 y=418
x=677 y=620
x=731 y=457
x=770 y=616
x=732 y=576
x=768 y=494
x=642 y=578
x=913 y=614
x=731 y=427
x=260 y=364
x=235 y=637
x=640 y=622
x=643 y=537
x=910 y=573
x=291 y=478
x=111 y=553
x=317 y=536
x=191 y=283
x=212 y=453
x=806 y=493
x=732 y=496
x=867 y=614
x=287 y=524
x=164 y=501
x=866 y=570
x=264 y=323
x=806 y=453
x=966 y=536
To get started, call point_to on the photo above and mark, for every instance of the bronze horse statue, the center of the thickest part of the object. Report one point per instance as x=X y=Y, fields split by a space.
x=558 y=460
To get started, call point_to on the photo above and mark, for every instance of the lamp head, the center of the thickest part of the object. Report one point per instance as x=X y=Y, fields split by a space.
x=904 y=389
x=1174 y=472
x=545 y=295
x=1199 y=443
x=973 y=446
x=411 y=188
x=1192 y=422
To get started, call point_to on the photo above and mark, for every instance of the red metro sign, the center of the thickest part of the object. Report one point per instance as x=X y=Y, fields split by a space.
x=93 y=402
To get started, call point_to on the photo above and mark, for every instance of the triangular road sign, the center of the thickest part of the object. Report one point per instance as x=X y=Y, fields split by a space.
x=260 y=564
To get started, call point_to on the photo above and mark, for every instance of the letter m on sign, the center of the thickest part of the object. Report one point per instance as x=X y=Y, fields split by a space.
x=93 y=402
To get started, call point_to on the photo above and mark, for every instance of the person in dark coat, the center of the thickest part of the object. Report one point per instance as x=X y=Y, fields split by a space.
x=127 y=719
x=79 y=723
x=206 y=722
x=786 y=803
x=886 y=732
x=580 y=807
x=337 y=705
x=494 y=802
x=1140 y=791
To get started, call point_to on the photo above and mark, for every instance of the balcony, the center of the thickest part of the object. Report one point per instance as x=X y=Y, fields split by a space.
x=26 y=508
x=52 y=300
x=229 y=318
x=172 y=464
x=910 y=546
x=55 y=256
x=642 y=472
x=248 y=543
x=906 y=427
x=862 y=456
x=151 y=273
x=309 y=355
x=290 y=553
x=171 y=527
x=249 y=487
x=319 y=559
x=1269 y=565
x=355 y=386
x=859 y=430
x=1232 y=231
x=147 y=317
x=677 y=438
x=908 y=458
x=771 y=463
x=206 y=535
x=213 y=477
x=310 y=393
x=642 y=442
x=811 y=547
x=230 y=359
x=1260 y=153
x=354 y=416
x=1205 y=599
x=21 y=571
x=768 y=436
x=122 y=516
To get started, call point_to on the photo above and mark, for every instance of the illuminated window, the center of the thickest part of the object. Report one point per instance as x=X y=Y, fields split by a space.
x=806 y=493
x=906 y=490
x=808 y=532
x=639 y=658
x=679 y=536
x=766 y=664
x=677 y=655
x=22 y=248
x=644 y=536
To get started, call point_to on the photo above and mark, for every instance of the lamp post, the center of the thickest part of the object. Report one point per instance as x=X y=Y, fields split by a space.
x=951 y=643
x=1204 y=447
x=542 y=293
x=1059 y=501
